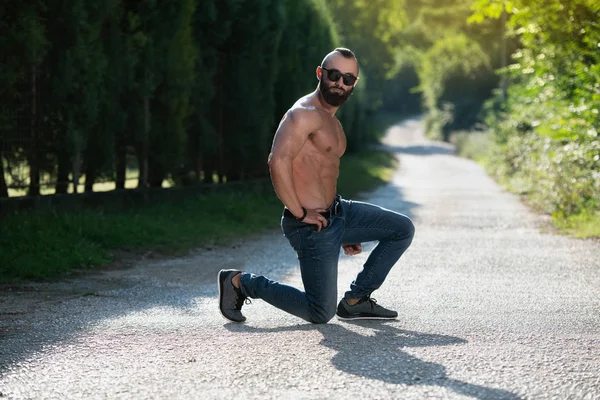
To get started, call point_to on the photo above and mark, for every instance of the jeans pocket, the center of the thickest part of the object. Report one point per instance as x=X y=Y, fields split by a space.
x=295 y=240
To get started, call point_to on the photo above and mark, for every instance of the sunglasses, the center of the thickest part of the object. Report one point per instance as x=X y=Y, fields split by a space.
x=335 y=74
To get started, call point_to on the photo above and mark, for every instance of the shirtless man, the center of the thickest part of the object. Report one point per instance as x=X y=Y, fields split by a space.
x=304 y=164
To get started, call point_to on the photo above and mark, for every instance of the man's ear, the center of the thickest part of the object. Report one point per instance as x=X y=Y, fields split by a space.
x=319 y=73
x=356 y=83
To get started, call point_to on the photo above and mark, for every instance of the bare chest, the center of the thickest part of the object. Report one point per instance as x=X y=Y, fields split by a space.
x=330 y=139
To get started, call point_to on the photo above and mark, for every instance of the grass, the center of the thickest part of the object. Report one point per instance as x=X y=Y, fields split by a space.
x=365 y=171
x=584 y=225
x=46 y=245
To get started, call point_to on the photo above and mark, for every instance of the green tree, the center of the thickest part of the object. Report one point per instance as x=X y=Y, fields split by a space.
x=447 y=61
x=551 y=109
x=372 y=29
x=101 y=147
x=437 y=46
x=212 y=28
x=308 y=36
x=24 y=44
x=72 y=78
x=245 y=86
x=172 y=39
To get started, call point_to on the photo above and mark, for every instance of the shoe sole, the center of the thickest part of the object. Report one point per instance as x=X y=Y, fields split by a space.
x=363 y=318
x=219 y=285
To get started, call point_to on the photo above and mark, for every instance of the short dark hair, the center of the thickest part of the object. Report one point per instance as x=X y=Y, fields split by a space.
x=347 y=53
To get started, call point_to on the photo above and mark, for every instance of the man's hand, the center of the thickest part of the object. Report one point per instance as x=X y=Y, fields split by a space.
x=352 y=249
x=313 y=217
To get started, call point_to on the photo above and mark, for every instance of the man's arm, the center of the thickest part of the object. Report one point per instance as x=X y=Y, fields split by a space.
x=290 y=137
x=292 y=134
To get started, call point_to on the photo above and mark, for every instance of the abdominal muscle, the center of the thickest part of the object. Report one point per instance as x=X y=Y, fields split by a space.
x=315 y=178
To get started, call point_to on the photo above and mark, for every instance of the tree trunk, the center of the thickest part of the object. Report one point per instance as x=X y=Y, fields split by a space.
x=62 y=177
x=146 y=144
x=209 y=168
x=234 y=175
x=143 y=156
x=141 y=166
x=3 y=187
x=34 y=168
x=121 y=161
x=76 y=166
x=220 y=128
x=90 y=174
x=155 y=175
x=198 y=167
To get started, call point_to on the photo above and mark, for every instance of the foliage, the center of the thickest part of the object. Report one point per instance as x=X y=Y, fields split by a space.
x=476 y=145
x=247 y=79
x=306 y=39
x=546 y=129
x=453 y=60
x=183 y=90
x=23 y=41
x=583 y=225
x=372 y=30
x=446 y=61
x=559 y=63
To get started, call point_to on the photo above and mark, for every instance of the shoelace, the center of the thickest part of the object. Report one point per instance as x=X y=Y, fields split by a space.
x=371 y=300
x=240 y=300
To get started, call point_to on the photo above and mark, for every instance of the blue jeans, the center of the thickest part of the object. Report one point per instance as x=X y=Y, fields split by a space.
x=318 y=253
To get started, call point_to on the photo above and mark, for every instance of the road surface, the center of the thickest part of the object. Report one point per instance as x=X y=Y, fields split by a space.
x=492 y=305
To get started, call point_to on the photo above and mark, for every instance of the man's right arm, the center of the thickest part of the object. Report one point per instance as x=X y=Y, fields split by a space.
x=292 y=134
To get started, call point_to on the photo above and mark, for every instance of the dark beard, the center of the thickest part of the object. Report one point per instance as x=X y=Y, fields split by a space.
x=333 y=98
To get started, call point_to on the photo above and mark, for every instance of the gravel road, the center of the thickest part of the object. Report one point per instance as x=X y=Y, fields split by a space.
x=492 y=304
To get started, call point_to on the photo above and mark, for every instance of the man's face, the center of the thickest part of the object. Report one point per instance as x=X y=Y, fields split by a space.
x=337 y=92
x=334 y=93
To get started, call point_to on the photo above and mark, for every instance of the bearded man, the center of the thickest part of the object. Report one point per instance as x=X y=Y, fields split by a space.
x=304 y=164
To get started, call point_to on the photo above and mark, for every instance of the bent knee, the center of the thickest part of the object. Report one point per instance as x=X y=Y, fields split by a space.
x=405 y=229
x=320 y=319
x=321 y=316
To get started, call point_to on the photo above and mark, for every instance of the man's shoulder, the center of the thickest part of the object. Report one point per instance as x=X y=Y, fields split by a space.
x=305 y=110
x=307 y=105
x=305 y=114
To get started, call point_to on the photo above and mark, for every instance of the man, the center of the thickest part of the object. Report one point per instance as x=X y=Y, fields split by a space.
x=304 y=164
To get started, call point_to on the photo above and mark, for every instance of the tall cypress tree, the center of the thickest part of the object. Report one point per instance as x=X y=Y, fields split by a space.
x=167 y=73
x=24 y=44
x=251 y=67
x=216 y=32
x=309 y=34
x=211 y=28
x=73 y=74
x=99 y=156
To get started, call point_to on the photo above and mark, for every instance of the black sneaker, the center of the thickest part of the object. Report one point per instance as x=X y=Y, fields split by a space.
x=366 y=308
x=231 y=298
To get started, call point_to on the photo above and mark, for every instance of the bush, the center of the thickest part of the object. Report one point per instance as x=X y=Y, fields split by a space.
x=475 y=145
x=557 y=178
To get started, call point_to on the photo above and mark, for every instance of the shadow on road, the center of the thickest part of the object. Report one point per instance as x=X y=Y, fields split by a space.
x=423 y=150
x=380 y=355
x=63 y=314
